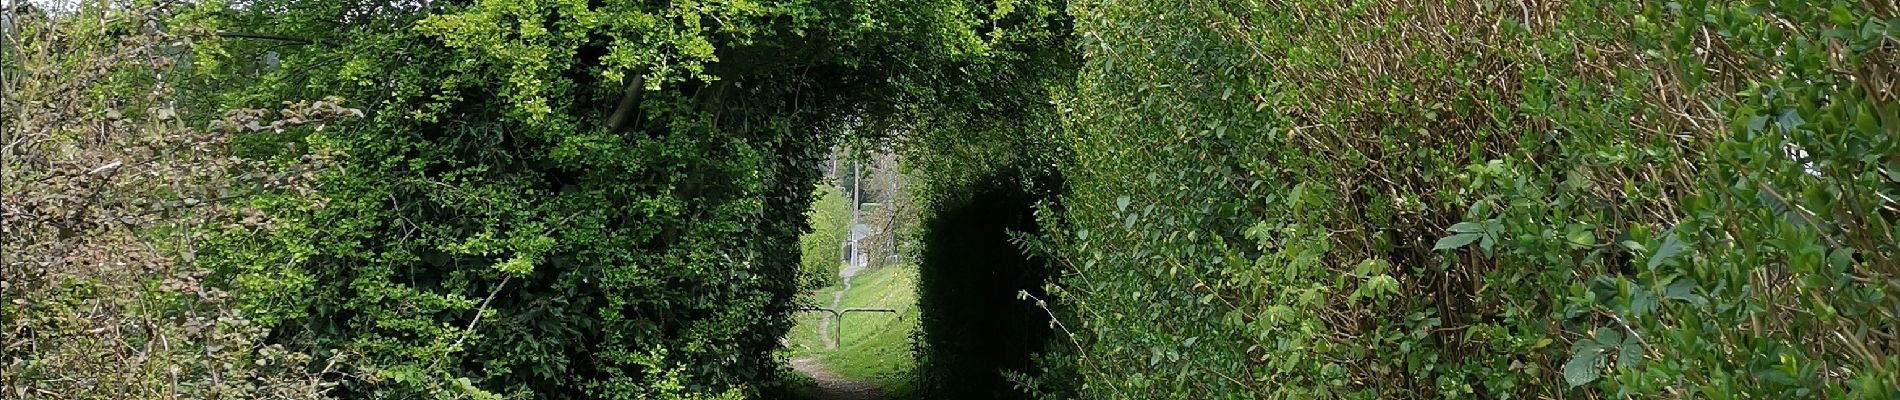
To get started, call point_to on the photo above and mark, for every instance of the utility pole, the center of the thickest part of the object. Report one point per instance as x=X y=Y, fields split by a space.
x=855 y=169
x=850 y=232
x=890 y=202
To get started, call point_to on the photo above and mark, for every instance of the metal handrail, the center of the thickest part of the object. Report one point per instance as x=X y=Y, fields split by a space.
x=837 y=336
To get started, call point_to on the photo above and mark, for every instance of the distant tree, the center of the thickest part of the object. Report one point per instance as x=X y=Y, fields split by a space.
x=830 y=219
x=894 y=218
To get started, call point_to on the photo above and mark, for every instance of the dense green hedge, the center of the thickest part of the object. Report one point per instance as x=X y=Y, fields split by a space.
x=1288 y=199
x=1323 y=199
x=564 y=198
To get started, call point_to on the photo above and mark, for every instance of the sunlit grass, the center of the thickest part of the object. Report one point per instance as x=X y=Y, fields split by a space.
x=876 y=346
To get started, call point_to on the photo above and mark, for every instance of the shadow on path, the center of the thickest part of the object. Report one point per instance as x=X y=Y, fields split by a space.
x=833 y=387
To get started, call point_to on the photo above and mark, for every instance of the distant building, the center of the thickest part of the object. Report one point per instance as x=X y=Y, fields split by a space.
x=853 y=253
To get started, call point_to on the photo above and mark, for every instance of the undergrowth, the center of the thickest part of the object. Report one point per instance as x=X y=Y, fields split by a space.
x=1321 y=199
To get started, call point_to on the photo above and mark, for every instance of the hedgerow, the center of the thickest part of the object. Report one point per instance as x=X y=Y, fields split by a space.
x=111 y=180
x=1234 y=199
x=1321 y=199
x=566 y=198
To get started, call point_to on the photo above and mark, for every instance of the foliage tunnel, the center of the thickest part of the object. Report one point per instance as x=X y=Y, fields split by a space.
x=563 y=198
x=1214 y=198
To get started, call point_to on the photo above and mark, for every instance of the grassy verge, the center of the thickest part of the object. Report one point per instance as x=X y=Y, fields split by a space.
x=876 y=347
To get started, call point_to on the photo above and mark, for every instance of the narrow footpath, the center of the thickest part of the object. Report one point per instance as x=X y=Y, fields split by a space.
x=831 y=386
x=834 y=387
x=824 y=324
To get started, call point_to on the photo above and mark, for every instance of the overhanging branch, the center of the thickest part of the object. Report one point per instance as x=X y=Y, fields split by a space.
x=628 y=101
x=265 y=36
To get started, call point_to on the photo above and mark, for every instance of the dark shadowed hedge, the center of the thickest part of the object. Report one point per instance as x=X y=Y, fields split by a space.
x=975 y=323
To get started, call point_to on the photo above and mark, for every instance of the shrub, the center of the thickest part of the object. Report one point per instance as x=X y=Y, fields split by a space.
x=110 y=184
x=821 y=249
x=1316 y=199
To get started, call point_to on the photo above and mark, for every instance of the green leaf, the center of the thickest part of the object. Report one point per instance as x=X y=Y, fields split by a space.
x=1789 y=120
x=1629 y=354
x=1840 y=16
x=1680 y=289
x=1582 y=367
x=1633 y=246
x=1371 y=266
x=1840 y=260
x=519 y=265
x=1541 y=343
x=1672 y=245
x=1121 y=203
x=1377 y=287
x=1608 y=337
x=1456 y=241
x=1641 y=303
x=1774 y=375
x=1864 y=121
x=1756 y=123
x=1383 y=284
x=1467 y=227
x=1581 y=237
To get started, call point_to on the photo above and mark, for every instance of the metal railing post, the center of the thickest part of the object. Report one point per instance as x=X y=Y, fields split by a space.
x=838 y=315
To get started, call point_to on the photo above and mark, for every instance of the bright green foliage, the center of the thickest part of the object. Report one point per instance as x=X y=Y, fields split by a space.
x=1323 y=199
x=558 y=198
x=821 y=250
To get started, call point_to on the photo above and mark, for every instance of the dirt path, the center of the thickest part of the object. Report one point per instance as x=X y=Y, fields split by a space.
x=833 y=387
x=824 y=324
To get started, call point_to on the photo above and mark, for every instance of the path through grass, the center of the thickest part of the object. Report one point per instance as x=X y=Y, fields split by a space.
x=876 y=346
